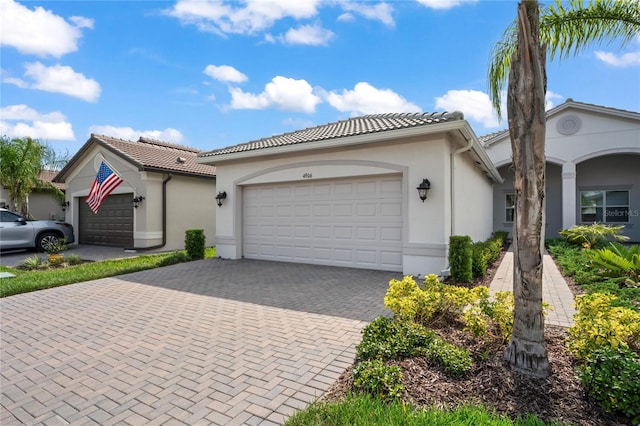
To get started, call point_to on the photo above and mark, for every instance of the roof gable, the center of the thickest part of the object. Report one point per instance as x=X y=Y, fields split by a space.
x=147 y=155
x=367 y=124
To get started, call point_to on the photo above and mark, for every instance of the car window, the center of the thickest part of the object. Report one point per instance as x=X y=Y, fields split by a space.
x=8 y=217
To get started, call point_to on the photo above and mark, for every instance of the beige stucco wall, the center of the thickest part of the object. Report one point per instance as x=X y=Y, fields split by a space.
x=42 y=206
x=427 y=225
x=190 y=201
x=473 y=205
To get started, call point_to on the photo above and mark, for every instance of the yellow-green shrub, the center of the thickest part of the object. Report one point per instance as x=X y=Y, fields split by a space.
x=482 y=313
x=599 y=324
x=423 y=305
x=492 y=316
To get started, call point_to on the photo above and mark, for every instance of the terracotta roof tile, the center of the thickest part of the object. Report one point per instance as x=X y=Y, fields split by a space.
x=48 y=175
x=151 y=154
x=351 y=127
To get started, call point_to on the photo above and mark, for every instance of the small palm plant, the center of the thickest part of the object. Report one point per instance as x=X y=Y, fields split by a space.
x=619 y=261
x=590 y=236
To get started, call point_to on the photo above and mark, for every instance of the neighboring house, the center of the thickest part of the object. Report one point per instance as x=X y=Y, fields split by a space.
x=344 y=193
x=177 y=194
x=42 y=205
x=592 y=172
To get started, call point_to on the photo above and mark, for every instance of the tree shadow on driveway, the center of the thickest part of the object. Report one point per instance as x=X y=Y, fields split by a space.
x=344 y=292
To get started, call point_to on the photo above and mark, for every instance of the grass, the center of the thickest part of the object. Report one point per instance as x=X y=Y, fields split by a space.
x=27 y=281
x=364 y=410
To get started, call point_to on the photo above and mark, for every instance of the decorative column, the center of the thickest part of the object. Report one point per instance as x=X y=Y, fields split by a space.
x=569 y=211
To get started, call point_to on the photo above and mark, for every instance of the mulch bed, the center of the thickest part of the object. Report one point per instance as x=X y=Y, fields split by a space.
x=560 y=397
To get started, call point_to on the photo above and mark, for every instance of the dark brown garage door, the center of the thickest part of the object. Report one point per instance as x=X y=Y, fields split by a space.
x=112 y=226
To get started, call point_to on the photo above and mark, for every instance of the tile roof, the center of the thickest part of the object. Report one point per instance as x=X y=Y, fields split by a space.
x=151 y=155
x=48 y=175
x=354 y=126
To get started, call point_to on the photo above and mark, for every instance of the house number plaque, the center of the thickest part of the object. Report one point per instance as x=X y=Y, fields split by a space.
x=307 y=176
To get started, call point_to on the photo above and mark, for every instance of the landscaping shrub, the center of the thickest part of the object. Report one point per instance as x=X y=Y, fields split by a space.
x=194 y=243
x=503 y=236
x=385 y=339
x=488 y=316
x=590 y=236
x=611 y=376
x=480 y=259
x=598 y=324
x=377 y=379
x=174 y=258
x=72 y=259
x=423 y=305
x=461 y=258
x=33 y=262
x=618 y=261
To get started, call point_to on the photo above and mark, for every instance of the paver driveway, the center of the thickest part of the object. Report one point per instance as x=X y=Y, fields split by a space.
x=207 y=342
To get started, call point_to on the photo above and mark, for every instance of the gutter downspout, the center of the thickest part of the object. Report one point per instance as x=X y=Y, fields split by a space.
x=164 y=219
x=465 y=148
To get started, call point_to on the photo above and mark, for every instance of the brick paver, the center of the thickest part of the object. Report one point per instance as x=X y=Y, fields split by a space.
x=555 y=290
x=207 y=342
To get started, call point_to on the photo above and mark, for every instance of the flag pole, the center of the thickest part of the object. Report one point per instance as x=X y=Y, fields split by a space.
x=135 y=190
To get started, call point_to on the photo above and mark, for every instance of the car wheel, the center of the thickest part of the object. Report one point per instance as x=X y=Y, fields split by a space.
x=45 y=239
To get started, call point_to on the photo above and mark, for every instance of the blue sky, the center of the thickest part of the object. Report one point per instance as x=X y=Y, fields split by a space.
x=210 y=74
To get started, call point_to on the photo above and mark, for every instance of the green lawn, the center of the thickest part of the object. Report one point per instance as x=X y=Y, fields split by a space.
x=26 y=281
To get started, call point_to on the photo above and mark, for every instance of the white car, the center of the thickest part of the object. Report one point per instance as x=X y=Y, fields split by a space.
x=16 y=232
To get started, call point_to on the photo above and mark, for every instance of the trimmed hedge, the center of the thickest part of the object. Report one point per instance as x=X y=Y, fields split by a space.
x=194 y=243
x=461 y=258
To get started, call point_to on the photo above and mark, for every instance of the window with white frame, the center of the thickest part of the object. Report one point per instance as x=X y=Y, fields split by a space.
x=510 y=206
x=606 y=206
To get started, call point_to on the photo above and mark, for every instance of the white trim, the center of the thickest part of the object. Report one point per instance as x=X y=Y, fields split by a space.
x=608 y=151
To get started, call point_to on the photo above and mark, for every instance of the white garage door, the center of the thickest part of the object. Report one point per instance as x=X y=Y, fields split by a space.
x=354 y=222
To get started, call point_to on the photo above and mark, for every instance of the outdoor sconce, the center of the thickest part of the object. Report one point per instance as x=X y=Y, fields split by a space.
x=423 y=189
x=64 y=205
x=221 y=196
x=137 y=200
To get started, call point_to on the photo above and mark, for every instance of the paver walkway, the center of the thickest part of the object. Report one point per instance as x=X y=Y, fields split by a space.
x=211 y=342
x=555 y=290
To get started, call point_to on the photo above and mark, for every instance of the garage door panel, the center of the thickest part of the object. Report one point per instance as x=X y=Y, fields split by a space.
x=111 y=226
x=349 y=222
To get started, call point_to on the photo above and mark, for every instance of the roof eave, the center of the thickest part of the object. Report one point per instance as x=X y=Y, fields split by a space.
x=338 y=142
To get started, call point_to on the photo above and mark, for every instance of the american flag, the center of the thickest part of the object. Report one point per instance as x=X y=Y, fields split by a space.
x=106 y=181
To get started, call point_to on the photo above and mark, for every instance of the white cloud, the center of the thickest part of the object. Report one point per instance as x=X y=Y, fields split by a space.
x=57 y=79
x=225 y=73
x=283 y=93
x=128 y=133
x=630 y=59
x=311 y=35
x=366 y=99
x=379 y=12
x=251 y=17
x=21 y=121
x=474 y=104
x=549 y=99
x=39 y=31
x=444 y=4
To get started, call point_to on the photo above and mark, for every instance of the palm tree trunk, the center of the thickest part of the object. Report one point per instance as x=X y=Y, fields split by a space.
x=526 y=352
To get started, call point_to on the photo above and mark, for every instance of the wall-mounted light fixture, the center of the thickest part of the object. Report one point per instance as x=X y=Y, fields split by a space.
x=64 y=205
x=221 y=196
x=423 y=189
x=137 y=200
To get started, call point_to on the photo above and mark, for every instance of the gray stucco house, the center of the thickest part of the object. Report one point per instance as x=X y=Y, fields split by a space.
x=592 y=173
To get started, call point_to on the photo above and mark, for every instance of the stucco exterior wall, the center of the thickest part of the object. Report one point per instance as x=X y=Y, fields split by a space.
x=575 y=134
x=426 y=226
x=613 y=172
x=473 y=205
x=190 y=205
x=42 y=206
x=190 y=202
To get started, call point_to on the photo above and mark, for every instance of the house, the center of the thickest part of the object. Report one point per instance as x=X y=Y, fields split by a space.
x=592 y=170
x=345 y=193
x=43 y=205
x=164 y=192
